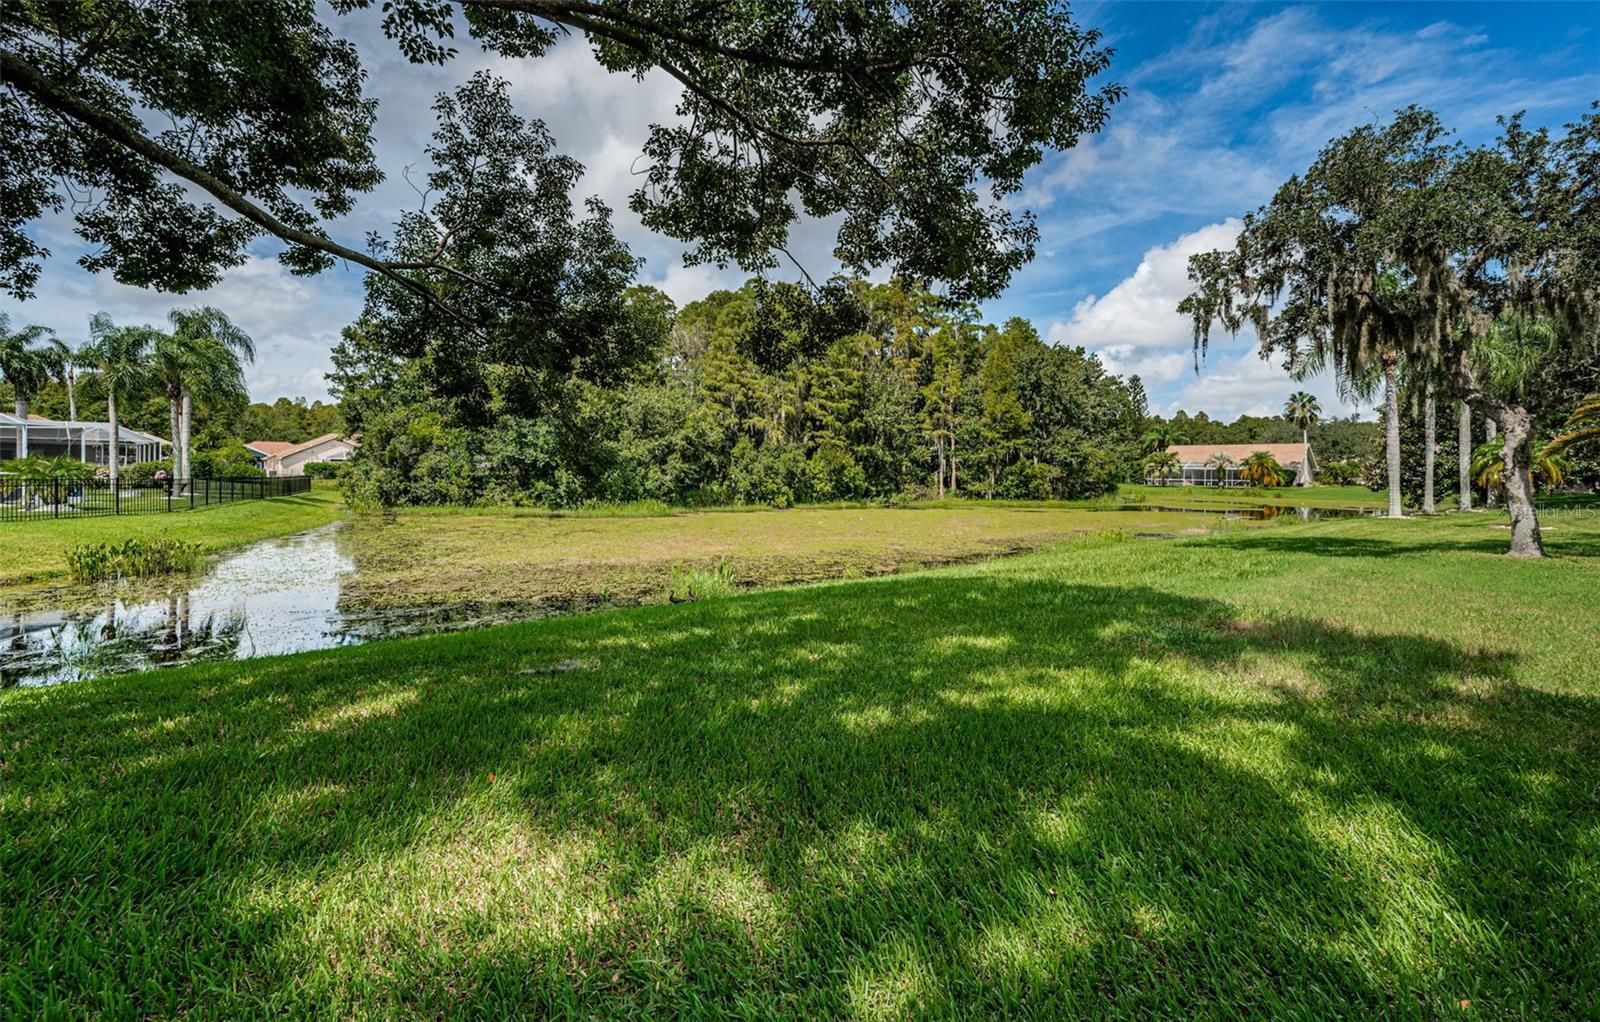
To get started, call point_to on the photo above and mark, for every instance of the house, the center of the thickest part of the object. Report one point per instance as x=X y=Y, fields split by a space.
x=1199 y=468
x=292 y=459
x=85 y=441
x=261 y=450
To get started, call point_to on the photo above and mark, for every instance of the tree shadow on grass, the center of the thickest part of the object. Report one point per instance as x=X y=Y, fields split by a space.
x=938 y=796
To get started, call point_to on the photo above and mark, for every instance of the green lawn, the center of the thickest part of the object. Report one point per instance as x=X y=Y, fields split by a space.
x=1303 y=771
x=34 y=551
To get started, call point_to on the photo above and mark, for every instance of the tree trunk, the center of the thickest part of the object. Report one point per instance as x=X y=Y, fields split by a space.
x=185 y=418
x=938 y=445
x=72 y=396
x=1305 y=458
x=1518 y=452
x=1490 y=431
x=1518 y=478
x=1464 y=440
x=1430 y=437
x=1391 y=409
x=952 y=463
x=174 y=428
x=111 y=450
x=21 y=407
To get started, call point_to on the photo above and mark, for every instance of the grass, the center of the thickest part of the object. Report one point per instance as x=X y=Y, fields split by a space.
x=1335 y=769
x=428 y=555
x=35 y=551
x=1212 y=496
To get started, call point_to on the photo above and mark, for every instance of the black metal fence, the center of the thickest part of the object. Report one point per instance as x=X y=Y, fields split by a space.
x=26 y=500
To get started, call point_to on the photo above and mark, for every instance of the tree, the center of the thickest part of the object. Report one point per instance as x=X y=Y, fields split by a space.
x=1262 y=469
x=1547 y=466
x=1399 y=242
x=1162 y=435
x=1162 y=465
x=28 y=358
x=203 y=356
x=1585 y=423
x=1220 y=462
x=120 y=360
x=1303 y=410
x=911 y=122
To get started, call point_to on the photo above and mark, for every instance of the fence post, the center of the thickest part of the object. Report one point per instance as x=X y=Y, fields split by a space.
x=55 y=498
x=191 y=494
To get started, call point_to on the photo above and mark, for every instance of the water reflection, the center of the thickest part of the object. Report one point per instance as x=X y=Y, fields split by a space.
x=281 y=596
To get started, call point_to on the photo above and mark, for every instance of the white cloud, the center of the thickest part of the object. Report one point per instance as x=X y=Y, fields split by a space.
x=1142 y=310
x=1135 y=328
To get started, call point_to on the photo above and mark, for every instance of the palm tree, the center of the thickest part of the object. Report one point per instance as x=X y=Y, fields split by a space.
x=204 y=356
x=120 y=359
x=1303 y=410
x=1547 y=466
x=27 y=360
x=1221 y=462
x=1585 y=420
x=1262 y=469
x=1162 y=465
x=1162 y=435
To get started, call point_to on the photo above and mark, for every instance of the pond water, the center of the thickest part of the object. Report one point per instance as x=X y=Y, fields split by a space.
x=280 y=596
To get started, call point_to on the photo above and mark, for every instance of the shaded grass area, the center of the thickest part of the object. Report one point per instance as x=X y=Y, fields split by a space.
x=428 y=556
x=35 y=551
x=1239 y=775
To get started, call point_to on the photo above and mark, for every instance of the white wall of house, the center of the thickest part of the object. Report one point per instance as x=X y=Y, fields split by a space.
x=293 y=463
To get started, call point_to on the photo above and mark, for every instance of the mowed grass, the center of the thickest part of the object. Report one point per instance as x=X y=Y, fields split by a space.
x=35 y=551
x=1341 y=769
x=441 y=555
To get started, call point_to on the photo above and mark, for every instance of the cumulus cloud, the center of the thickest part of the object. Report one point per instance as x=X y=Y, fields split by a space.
x=1142 y=310
x=1135 y=328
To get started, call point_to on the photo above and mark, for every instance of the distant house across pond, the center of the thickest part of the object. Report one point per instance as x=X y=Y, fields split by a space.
x=1200 y=462
x=277 y=458
x=86 y=441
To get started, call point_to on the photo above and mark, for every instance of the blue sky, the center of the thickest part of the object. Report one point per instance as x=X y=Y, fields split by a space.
x=1224 y=101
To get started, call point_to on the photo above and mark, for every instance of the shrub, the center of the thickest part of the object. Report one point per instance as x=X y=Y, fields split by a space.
x=324 y=469
x=696 y=584
x=133 y=558
x=143 y=473
x=1026 y=481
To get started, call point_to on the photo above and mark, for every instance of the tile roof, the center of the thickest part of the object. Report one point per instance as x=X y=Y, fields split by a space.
x=1287 y=455
x=270 y=447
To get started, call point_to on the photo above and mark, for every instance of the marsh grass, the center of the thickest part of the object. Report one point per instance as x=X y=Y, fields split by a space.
x=693 y=584
x=1340 y=769
x=146 y=557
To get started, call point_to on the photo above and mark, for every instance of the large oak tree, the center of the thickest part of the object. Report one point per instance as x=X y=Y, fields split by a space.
x=1399 y=243
x=175 y=132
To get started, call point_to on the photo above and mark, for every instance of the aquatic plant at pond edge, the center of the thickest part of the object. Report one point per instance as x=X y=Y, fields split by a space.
x=698 y=584
x=133 y=558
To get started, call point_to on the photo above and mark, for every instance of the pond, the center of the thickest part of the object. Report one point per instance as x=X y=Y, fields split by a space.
x=280 y=596
x=305 y=592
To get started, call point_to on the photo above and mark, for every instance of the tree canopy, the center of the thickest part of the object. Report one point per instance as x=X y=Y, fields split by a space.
x=1399 y=242
x=175 y=132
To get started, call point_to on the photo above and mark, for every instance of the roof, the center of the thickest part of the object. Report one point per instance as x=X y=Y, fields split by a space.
x=92 y=430
x=317 y=442
x=270 y=447
x=1286 y=455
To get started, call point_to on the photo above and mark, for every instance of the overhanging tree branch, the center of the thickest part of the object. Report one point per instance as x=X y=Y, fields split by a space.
x=29 y=80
